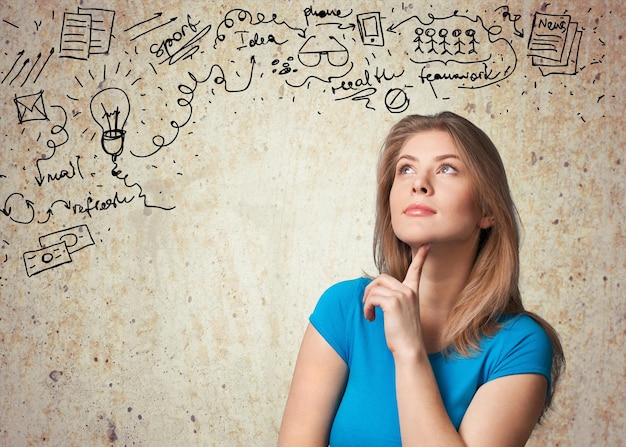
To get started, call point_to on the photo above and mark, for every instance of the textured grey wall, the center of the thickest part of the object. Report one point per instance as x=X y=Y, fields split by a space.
x=154 y=288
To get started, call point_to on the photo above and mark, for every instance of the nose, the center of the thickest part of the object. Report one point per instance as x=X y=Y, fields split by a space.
x=422 y=185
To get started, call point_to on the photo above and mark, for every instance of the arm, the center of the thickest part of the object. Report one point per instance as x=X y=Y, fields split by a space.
x=318 y=382
x=502 y=413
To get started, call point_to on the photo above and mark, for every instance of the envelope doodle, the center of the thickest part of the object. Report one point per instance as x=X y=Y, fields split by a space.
x=31 y=108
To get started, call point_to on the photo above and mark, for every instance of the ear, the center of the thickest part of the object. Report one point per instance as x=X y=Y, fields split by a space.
x=486 y=222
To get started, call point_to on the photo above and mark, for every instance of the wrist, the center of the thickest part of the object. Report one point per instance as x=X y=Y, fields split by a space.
x=411 y=358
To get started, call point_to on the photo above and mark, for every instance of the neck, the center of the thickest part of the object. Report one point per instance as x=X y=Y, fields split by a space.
x=444 y=275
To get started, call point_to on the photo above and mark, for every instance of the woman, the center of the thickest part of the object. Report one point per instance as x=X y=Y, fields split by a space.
x=437 y=350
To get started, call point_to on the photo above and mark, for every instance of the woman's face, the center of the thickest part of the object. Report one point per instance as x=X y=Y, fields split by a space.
x=431 y=198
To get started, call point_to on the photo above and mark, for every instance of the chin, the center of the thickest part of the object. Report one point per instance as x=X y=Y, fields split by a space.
x=415 y=243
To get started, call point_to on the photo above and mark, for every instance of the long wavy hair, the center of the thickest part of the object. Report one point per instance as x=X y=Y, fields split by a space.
x=492 y=288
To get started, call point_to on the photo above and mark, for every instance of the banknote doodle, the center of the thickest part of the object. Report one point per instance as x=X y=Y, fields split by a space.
x=56 y=249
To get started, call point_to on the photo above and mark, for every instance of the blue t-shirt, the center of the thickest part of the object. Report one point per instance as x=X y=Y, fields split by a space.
x=368 y=412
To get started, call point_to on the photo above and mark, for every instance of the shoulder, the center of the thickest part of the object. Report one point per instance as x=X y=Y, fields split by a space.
x=345 y=294
x=349 y=286
x=337 y=313
x=520 y=346
x=522 y=327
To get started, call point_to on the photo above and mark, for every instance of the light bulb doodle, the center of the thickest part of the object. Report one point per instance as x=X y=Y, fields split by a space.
x=110 y=109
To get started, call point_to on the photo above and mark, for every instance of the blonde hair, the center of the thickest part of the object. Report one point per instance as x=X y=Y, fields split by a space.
x=492 y=288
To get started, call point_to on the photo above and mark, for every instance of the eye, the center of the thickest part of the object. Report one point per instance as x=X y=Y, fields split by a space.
x=448 y=169
x=405 y=169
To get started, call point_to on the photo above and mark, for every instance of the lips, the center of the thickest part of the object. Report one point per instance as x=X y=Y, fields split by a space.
x=418 y=209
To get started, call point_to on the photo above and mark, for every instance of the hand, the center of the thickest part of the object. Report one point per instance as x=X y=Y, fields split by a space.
x=400 y=303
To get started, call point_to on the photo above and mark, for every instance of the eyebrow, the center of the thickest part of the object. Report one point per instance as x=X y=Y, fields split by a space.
x=437 y=158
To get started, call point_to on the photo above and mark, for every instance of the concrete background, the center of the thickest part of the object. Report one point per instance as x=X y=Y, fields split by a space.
x=158 y=297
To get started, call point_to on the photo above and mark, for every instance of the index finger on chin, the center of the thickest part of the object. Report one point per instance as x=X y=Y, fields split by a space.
x=415 y=268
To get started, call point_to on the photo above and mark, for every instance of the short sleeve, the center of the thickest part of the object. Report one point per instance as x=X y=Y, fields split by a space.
x=524 y=348
x=334 y=314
